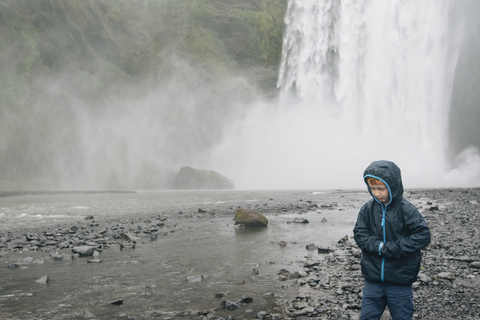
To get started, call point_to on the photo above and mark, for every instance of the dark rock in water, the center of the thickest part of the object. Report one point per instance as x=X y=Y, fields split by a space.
x=13 y=266
x=117 y=302
x=250 y=218
x=89 y=218
x=94 y=261
x=191 y=178
x=311 y=246
x=300 y=220
x=282 y=244
x=225 y=304
x=283 y=272
x=127 y=245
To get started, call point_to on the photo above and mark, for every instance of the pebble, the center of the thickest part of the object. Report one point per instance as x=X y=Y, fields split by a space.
x=43 y=280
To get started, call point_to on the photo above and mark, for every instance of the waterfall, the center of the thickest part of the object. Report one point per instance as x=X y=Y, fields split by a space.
x=360 y=80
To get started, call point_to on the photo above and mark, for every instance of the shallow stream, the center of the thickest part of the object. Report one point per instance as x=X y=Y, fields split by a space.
x=151 y=279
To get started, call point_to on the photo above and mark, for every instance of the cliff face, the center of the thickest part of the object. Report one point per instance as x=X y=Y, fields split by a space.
x=112 y=40
x=68 y=63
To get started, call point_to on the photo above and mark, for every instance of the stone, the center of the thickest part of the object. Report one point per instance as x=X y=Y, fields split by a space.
x=43 y=280
x=424 y=278
x=117 y=302
x=225 y=304
x=83 y=251
x=445 y=275
x=194 y=278
x=300 y=220
x=357 y=253
x=475 y=264
x=193 y=179
x=88 y=315
x=63 y=245
x=16 y=244
x=56 y=256
x=311 y=246
x=94 y=261
x=262 y=314
x=324 y=250
x=127 y=245
x=250 y=218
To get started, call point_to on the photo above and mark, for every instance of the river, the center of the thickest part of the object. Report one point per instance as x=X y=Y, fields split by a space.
x=151 y=279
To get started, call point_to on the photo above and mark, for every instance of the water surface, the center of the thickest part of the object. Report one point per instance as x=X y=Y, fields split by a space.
x=151 y=279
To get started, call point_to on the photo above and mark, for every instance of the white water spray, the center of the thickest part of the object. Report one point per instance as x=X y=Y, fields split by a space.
x=360 y=81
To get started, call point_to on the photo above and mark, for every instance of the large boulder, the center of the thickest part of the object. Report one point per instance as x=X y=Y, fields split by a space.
x=250 y=218
x=191 y=178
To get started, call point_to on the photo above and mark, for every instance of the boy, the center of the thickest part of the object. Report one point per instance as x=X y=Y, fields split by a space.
x=390 y=232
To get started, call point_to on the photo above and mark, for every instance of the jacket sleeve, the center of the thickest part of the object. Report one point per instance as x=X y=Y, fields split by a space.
x=366 y=240
x=417 y=236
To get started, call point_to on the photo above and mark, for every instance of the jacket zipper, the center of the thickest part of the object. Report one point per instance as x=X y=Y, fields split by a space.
x=384 y=209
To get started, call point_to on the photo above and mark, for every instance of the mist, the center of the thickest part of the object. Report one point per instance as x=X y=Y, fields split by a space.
x=394 y=81
x=391 y=81
x=140 y=138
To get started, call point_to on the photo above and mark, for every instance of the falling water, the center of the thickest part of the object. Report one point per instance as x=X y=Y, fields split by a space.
x=359 y=81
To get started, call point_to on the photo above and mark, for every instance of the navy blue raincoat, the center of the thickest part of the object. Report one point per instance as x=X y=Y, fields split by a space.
x=390 y=236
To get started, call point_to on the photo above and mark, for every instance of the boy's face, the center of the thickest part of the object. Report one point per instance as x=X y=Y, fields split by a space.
x=380 y=191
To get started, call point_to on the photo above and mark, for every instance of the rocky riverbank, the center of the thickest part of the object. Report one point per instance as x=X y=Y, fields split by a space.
x=329 y=285
x=447 y=286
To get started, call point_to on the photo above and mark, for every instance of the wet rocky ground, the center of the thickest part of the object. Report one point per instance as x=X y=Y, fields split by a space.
x=447 y=286
x=330 y=283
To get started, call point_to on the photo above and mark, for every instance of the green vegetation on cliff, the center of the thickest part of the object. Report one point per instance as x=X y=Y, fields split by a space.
x=70 y=68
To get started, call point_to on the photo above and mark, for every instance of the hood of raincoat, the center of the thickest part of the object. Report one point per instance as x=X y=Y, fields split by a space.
x=390 y=174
